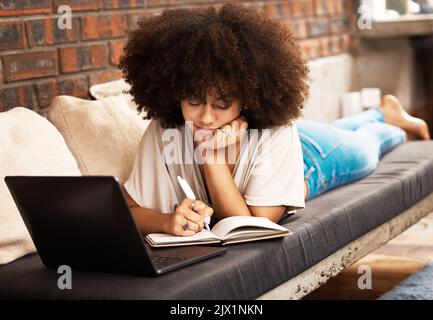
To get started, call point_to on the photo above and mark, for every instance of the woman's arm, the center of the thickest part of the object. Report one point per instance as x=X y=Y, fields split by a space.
x=227 y=200
x=273 y=213
x=153 y=221
x=147 y=220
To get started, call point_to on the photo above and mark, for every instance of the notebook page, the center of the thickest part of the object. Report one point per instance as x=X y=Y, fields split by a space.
x=164 y=238
x=223 y=227
x=252 y=232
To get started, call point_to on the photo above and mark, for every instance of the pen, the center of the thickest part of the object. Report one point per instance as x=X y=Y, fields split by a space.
x=190 y=195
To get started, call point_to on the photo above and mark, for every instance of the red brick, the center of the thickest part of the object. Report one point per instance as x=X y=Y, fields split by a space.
x=299 y=28
x=331 y=7
x=346 y=42
x=1 y=86
x=339 y=24
x=77 y=87
x=47 y=90
x=318 y=27
x=349 y=6
x=134 y=18
x=66 y=35
x=73 y=59
x=21 y=7
x=68 y=59
x=116 y=4
x=116 y=51
x=339 y=6
x=301 y=8
x=309 y=48
x=18 y=96
x=12 y=35
x=336 y=45
x=198 y=2
x=158 y=3
x=284 y=9
x=323 y=7
x=277 y=10
x=79 y=5
x=353 y=23
x=106 y=26
x=41 y=32
x=1 y=74
x=105 y=76
x=325 y=46
x=270 y=9
x=30 y=65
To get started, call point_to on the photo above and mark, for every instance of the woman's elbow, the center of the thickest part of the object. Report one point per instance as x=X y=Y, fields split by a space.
x=273 y=213
x=130 y=202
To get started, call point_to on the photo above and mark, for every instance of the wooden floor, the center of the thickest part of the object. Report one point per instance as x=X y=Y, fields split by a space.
x=390 y=264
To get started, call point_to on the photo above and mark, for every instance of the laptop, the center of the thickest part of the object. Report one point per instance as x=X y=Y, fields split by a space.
x=84 y=222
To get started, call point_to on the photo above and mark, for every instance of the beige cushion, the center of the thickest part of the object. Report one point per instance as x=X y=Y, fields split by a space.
x=30 y=145
x=103 y=135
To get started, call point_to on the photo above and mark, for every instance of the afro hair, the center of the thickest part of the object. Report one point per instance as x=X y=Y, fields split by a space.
x=236 y=49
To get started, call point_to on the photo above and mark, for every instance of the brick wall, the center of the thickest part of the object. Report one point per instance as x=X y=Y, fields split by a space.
x=39 y=60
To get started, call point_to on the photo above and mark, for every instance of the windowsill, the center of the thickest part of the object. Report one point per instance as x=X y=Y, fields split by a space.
x=403 y=26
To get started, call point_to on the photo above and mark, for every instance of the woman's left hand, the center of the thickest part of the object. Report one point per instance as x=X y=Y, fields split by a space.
x=230 y=133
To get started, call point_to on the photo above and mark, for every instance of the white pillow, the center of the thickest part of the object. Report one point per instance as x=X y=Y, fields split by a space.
x=108 y=89
x=103 y=135
x=113 y=88
x=29 y=145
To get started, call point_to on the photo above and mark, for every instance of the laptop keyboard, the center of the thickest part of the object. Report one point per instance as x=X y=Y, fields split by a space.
x=165 y=261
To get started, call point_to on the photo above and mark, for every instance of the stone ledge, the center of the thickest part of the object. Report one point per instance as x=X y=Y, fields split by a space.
x=319 y=274
x=404 y=26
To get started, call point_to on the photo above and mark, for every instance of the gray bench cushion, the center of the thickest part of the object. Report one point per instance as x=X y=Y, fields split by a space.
x=403 y=177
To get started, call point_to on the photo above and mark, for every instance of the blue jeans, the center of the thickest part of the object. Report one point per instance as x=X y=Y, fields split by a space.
x=346 y=150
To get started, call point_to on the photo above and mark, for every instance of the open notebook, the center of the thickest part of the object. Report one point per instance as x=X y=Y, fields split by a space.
x=229 y=230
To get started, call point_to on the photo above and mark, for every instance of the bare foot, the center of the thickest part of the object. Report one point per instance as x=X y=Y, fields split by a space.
x=395 y=114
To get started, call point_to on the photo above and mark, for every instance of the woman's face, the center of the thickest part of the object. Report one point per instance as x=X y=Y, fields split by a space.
x=210 y=114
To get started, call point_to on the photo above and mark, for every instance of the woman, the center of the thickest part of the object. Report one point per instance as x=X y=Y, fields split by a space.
x=223 y=89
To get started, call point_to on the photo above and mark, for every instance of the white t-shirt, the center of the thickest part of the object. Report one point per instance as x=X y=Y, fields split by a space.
x=268 y=171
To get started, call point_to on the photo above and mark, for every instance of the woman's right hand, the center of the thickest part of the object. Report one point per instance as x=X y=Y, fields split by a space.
x=187 y=220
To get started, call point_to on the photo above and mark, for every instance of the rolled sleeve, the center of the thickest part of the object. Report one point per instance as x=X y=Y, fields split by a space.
x=278 y=177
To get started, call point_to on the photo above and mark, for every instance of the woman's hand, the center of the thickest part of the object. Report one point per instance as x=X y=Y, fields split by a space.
x=228 y=134
x=187 y=220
